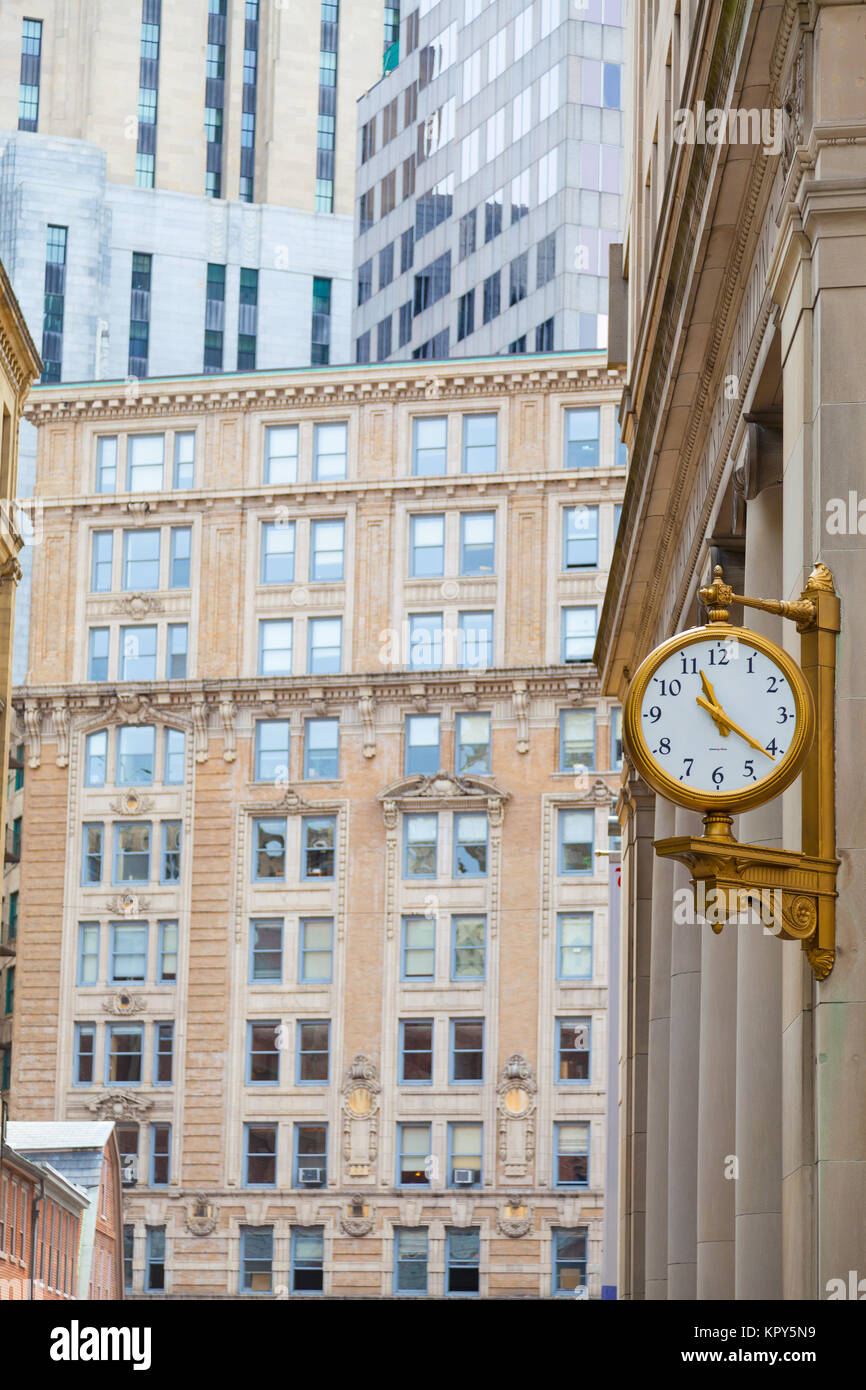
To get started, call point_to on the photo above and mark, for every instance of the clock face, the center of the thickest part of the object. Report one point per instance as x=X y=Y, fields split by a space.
x=719 y=717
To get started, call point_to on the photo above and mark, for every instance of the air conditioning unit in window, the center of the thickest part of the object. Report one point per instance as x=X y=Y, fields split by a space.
x=128 y=1169
x=464 y=1176
x=311 y=1176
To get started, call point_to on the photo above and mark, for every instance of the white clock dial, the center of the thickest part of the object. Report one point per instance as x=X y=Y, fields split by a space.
x=718 y=716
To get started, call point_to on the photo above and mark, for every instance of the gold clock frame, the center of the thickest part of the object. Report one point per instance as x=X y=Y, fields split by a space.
x=707 y=801
x=798 y=886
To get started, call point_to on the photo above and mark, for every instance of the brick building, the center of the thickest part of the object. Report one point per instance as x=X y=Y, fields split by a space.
x=316 y=819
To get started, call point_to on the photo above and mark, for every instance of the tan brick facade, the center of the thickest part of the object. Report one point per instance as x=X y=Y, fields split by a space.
x=114 y=991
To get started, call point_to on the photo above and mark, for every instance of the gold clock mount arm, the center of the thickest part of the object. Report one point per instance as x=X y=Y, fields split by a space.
x=803 y=881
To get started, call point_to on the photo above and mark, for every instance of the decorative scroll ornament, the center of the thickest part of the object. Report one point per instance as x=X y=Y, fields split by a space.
x=199 y=724
x=120 y=1105
x=520 y=697
x=360 y=1101
x=128 y=904
x=201 y=1217
x=228 y=714
x=128 y=707
x=138 y=606
x=516 y=1097
x=60 y=711
x=33 y=725
x=366 y=709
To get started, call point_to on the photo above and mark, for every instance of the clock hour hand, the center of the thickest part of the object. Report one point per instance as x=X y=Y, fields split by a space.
x=722 y=727
x=715 y=710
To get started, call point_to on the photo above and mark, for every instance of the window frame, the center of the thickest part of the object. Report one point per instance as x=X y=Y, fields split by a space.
x=574 y=912
x=572 y=1019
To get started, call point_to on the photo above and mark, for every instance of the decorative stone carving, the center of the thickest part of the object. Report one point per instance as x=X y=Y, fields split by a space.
x=60 y=711
x=520 y=697
x=228 y=714
x=360 y=1101
x=123 y=1003
x=292 y=801
x=366 y=708
x=128 y=707
x=390 y=814
x=120 y=1105
x=516 y=1103
x=138 y=606
x=515 y=1218
x=132 y=804
x=10 y=570
x=128 y=905
x=794 y=109
x=33 y=725
x=201 y=1217
x=359 y=1219
x=199 y=724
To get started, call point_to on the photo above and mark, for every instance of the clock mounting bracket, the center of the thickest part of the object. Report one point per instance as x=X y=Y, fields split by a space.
x=797 y=887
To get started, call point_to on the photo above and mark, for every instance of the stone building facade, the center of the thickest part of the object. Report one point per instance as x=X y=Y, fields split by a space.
x=744 y=1149
x=316 y=821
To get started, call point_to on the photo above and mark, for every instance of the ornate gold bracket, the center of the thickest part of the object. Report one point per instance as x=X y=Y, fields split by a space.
x=795 y=891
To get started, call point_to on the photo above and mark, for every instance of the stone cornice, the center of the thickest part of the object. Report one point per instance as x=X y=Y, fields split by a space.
x=395 y=383
x=19 y=360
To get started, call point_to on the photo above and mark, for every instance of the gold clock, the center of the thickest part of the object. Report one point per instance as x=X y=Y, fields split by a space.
x=718 y=718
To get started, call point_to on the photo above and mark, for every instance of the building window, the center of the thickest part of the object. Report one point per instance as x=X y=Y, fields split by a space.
x=464 y=1154
x=491 y=296
x=327 y=543
x=31 y=62
x=138 y=653
x=214 y=317
x=413 y=1154
x=136 y=749
x=85 y=1041
x=420 y=852
x=518 y=346
x=320 y=344
x=263 y=1054
x=160 y=1155
x=416 y=1051
x=545 y=260
x=184 y=459
x=154 y=1281
x=616 y=738
x=576 y=832
x=275 y=647
x=422 y=744
x=131 y=853
x=88 y=952
x=167 y=953
x=260 y=1155
x=427 y=545
x=177 y=637
x=388 y=193
x=123 y=1054
x=429 y=444
x=54 y=303
x=572 y=1048
x=362 y=348
x=318 y=846
x=405 y=323
x=578 y=633
x=472 y=744
x=479 y=443
x=92 y=850
x=571 y=1155
x=269 y=849
x=418 y=951
x=462 y=1261
x=330 y=444
x=544 y=336
x=97 y=654
x=475 y=640
x=477 y=540
x=170 y=869
x=580 y=538
x=518 y=277
x=582 y=438
x=467 y=1050
x=366 y=211
x=277 y=552
x=470 y=845
x=321 y=748
x=316 y=950
x=493 y=215
x=128 y=960
x=467 y=228
x=139 y=314
x=383 y=339
x=576 y=739
x=308 y=1259
x=257 y=1259
x=144 y=462
x=281 y=454
x=271 y=750
x=175 y=756
x=365 y=281
x=611 y=85
x=574 y=946
x=410 y=1260
x=96 y=748
x=468 y=946
x=314 y=1042
x=179 y=557
x=465 y=315
x=325 y=646
x=266 y=951
x=433 y=283
x=140 y=560
x=128 y=1249
x=106 y=463
x=311 y=1155
x=248 y=312
x=569 y=1260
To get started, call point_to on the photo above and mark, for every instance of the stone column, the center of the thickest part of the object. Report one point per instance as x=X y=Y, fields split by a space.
x=683 y=1085
x=636 y=816
x=716 y=1112
x=658 y=1062
x=758 y=1260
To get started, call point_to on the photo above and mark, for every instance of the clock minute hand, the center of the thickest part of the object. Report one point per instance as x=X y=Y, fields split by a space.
x=715 y=710
x=722 y=727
